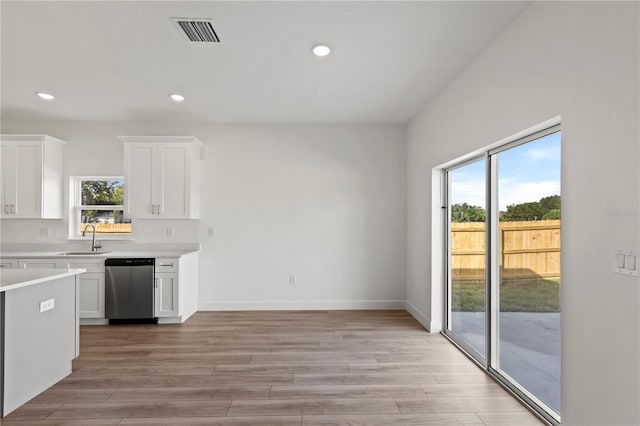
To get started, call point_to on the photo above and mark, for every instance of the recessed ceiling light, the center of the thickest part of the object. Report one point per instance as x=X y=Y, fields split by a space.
x=176 y=98
x=321 y=50
x=45 y=96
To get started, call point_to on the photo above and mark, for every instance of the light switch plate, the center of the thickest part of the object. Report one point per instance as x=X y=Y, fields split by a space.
x=625 y=262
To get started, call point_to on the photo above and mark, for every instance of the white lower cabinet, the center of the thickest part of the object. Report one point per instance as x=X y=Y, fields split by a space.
x=91 y=286
x=91 y=282
x=91 y=295
x=176 y=288
x=167 y=290
x=175 y=292
x=166 y=295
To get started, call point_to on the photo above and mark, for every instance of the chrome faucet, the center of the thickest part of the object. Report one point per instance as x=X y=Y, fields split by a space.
x=94 y=247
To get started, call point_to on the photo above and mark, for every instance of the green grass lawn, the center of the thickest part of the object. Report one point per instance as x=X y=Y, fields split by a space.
x=515 y=296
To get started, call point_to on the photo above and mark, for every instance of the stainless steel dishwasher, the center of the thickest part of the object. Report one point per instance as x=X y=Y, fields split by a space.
x=129 y=290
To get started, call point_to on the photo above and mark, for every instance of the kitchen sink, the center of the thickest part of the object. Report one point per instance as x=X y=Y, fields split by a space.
x=83 y=253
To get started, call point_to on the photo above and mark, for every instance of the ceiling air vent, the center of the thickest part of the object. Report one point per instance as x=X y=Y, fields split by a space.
x=197 y=30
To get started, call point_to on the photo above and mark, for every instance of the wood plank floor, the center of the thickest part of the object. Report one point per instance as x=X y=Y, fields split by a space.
x=273 y=368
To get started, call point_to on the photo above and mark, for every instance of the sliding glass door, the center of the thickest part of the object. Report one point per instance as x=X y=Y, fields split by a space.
x=527 y=195
x=466 y=255
x=503 y=265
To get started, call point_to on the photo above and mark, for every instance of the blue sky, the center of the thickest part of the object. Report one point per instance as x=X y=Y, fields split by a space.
x=525 y=173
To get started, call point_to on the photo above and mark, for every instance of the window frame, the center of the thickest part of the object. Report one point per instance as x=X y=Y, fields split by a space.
x=76 y=207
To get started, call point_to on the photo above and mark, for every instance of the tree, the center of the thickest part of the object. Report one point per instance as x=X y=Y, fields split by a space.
x=552 y=214
x=536 y=210
x=550 y=203
x=466 y=213
x=102 y=192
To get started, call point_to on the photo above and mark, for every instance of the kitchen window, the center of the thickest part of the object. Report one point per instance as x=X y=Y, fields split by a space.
x=98 y=201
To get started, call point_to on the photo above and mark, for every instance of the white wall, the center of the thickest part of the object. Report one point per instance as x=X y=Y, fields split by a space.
x=580 y=61
x=323 y=203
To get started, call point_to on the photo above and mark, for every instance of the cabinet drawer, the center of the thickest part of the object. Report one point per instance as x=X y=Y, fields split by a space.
x=166 y=265
x=44 y=263
x=91 y=265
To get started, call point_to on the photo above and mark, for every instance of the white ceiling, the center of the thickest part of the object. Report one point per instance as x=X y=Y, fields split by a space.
x=118 y=61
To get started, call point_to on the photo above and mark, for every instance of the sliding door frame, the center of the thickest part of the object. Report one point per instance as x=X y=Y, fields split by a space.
x=475 y=355
x=490 y=363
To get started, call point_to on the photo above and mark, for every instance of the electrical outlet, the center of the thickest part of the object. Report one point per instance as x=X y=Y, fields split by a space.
x=292 y=279
x=47 y=305
x=45 y=232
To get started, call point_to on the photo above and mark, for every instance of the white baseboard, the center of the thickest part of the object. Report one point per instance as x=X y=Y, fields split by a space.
x=417 y=314
x=431 y=326
x=302 y=305
x=170 y=320
x=94 y=321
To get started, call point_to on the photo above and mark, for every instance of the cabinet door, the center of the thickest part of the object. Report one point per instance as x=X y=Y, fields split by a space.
x=40 y=263
x=91 y=295
x=162 y=177
x=8 y=263
x=31 y=177
x=28 y=181
x=140 y=180
x=166 y=295
x=174 y=181
x=7 y=177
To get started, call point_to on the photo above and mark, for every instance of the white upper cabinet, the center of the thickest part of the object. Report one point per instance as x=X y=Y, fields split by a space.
x=162 y=176
x=31 y=177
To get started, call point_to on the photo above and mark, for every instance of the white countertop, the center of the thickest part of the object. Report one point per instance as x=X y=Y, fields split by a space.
x=101 y=254
x=11 y=279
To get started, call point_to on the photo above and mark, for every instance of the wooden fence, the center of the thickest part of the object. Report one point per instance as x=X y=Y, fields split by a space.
x=527 y=249
x=109 y=228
